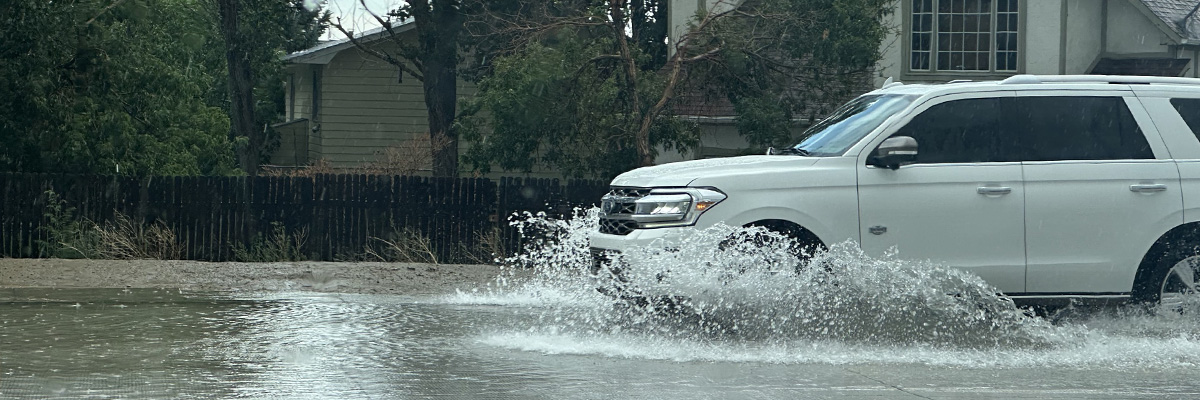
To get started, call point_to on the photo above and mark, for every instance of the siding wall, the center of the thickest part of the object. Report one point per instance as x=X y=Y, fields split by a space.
x=293 y=143
x=300 y=103
x=365 y=108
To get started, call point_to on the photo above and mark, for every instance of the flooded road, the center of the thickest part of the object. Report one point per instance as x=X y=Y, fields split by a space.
x=751 y=323
x=107 y=343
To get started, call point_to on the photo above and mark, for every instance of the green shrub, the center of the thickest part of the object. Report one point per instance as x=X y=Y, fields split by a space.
x=63 y=234
x=278 y=245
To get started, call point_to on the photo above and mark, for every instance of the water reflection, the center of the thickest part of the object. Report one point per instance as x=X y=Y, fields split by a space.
x=149 y=344
x=119 y=343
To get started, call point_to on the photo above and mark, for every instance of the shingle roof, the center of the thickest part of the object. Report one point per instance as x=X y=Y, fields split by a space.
x=1173 y=12
x=1141 y=66
x=696 y=104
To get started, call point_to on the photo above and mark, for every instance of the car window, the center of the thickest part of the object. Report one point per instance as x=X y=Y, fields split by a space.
x=1077 y=128
x=851 y=122
x=1189 y=109
x=961 y=131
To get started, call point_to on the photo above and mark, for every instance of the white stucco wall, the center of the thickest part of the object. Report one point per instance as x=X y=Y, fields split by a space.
x=1084 y=34
x=681 y=13
x=892 y=49
x=1130 y=32
x=1191 y=68
x=1042 y=36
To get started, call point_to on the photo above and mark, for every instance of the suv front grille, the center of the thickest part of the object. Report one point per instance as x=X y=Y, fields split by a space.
x=615 y=216
x=629 y=192
x=617 y=226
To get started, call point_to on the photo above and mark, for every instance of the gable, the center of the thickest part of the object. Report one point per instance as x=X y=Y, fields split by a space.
x=1176 y=18
x=324 y=52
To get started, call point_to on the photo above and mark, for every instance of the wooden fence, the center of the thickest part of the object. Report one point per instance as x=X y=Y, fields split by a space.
x=341 y=214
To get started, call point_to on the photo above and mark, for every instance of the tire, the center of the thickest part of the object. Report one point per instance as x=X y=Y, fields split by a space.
x=1174 y=278
x=806 y=244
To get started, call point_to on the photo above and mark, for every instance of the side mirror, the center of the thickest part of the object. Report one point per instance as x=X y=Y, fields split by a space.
x=894 y=152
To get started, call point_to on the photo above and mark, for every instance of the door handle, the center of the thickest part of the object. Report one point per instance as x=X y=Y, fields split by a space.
x=1148 y=188
x=994 y=190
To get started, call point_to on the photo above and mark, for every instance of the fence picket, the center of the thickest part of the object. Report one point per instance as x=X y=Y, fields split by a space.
x=341 y=213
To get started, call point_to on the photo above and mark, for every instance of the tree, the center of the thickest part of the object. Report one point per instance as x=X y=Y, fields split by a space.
x=600 y=97
x=98 y=86
x=255 y=31
x=434 y=61
x=130 y=86
x=241 y=89
x=787 y=60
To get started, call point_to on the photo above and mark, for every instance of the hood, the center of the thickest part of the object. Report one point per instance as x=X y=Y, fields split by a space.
x=680 y=174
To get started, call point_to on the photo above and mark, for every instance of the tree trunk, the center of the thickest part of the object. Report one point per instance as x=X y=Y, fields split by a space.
x=441 y=96
x=641 y=136
x=241 y=89
x=438 y=26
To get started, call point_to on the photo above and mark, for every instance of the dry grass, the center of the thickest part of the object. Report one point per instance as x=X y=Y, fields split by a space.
x=319 y=167
x=125 y=239
x=410 y=157
x=488 y=249
x=407 y=245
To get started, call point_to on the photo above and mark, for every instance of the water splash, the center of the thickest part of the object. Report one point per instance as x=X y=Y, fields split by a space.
x=742 y=294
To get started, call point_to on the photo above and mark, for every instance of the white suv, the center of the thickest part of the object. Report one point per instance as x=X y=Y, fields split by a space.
x=1048 y=187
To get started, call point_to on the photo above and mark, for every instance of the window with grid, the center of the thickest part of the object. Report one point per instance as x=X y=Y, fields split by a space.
x=963 y=35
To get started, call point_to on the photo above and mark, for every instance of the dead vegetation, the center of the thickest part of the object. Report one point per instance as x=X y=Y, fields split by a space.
x=406 y=245
x=125 y=239
x=408 y=157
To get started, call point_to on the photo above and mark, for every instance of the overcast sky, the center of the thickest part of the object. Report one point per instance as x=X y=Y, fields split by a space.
x=353 y=14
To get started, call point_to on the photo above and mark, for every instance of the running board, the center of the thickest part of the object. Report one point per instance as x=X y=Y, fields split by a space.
x=1066 y=299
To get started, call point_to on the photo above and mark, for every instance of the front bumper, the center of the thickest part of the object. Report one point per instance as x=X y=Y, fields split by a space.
x=639 y=238
x=617 y=287
x=606 y=265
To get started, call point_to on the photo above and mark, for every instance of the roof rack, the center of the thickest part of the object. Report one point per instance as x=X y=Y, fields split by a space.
x=1143 y=80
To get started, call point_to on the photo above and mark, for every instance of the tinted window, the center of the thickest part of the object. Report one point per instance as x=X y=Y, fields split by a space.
x=961 y=131
x=1189 y=109
x=1078 y=128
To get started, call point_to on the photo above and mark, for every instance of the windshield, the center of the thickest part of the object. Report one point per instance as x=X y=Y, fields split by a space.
x=850 y=123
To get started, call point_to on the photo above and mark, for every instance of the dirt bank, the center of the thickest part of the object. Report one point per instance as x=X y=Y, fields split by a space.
x=394 y=278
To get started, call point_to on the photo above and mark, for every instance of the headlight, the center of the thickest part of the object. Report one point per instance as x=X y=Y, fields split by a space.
x=672 y=207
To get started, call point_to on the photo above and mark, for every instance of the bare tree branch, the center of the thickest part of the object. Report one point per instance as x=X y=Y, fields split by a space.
x=378 y=54
x=103 y=11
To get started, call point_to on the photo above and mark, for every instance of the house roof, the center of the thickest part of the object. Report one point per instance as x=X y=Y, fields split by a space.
x=1141 y=66
x=693 y=103
x=324 y=51
x=1178 y=18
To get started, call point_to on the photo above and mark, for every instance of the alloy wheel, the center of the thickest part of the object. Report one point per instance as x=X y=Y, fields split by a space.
x=1180 y=284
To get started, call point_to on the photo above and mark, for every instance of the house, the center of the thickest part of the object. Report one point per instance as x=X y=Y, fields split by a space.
x=347 y=107
x=943 y=40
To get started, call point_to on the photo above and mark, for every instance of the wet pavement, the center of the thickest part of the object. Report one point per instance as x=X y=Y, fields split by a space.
x=151 y=344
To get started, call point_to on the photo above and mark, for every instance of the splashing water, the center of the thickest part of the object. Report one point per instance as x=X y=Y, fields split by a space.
x=741 y=294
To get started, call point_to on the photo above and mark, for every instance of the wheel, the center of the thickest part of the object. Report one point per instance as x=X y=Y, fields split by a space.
x=1179 y=284
x=1174 y=281
x=803 y=244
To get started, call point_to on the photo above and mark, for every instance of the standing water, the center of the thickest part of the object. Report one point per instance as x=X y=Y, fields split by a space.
x=746 y=323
